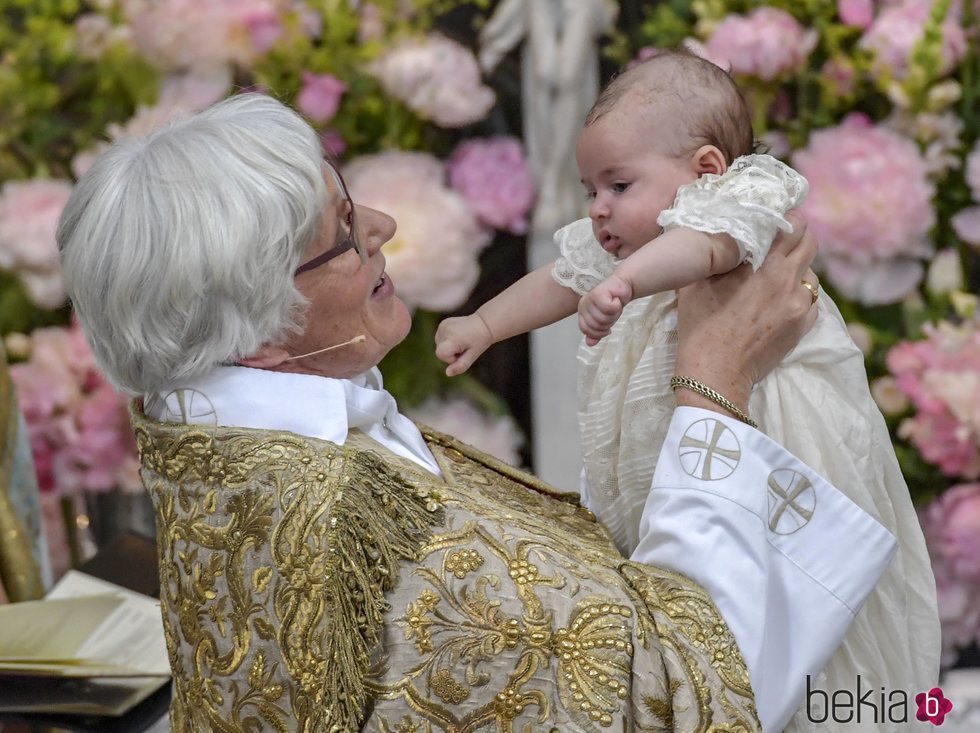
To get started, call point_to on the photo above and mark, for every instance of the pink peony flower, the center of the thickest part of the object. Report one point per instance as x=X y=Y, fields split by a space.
x=768 y=43
x=95 y=33
x=954 y=521
x=972 y=170
x=870 y=206
x=899 y=27
x=370 y=23
x=839 y=75
x=189 y=34
x=644 y=54
x=856 y=13
x=432 y=258
x=966 y=224
x=939 y=375
x=436 y=78
x=29 y=212
x=494 y=177
x=77 y=424
x=319 y=97
x=889 y=398
x=959 y=609
x=497 y=435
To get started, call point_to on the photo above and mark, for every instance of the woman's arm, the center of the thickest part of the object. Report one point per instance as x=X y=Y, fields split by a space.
x=720 y=487
x=734 y=329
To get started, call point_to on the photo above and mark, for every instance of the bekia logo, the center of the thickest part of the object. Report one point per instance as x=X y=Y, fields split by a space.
x=865 y=704
x=933 y=706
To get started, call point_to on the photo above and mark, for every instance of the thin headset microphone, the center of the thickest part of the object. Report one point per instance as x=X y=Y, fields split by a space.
x=355 y=340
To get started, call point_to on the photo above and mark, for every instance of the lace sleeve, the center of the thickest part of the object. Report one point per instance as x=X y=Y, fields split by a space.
x=748 y=202
x=583 y=263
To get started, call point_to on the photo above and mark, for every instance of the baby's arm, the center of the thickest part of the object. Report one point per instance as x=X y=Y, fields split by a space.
x=673 y=260
x=534 y=301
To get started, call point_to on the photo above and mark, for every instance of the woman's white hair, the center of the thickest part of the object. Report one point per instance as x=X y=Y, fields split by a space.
x=178 y=249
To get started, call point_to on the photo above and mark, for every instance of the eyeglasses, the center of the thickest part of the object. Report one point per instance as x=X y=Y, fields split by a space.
x=350 y=241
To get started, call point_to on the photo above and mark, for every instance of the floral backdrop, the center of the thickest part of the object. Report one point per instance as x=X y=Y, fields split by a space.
x=876 y=102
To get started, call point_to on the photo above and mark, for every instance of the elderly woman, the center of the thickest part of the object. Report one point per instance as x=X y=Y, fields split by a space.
x=328 y=565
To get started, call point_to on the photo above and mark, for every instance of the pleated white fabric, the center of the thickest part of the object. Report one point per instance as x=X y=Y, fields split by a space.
x=818 y=406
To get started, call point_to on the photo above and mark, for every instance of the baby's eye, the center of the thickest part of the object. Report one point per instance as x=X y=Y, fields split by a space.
x=589 y=195
x=620 y=187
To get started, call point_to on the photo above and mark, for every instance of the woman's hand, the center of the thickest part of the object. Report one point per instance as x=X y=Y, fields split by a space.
x=735 y=328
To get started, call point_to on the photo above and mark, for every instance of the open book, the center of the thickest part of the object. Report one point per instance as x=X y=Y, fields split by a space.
x=89 y=647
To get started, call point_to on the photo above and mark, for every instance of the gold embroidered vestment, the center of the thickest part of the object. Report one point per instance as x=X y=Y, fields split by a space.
x=317 y=588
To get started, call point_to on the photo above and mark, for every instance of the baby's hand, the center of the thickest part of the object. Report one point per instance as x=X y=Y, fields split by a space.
x=460 y=341
x=601 y=307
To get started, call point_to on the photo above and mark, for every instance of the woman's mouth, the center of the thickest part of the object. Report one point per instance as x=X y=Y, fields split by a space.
x=383 y=287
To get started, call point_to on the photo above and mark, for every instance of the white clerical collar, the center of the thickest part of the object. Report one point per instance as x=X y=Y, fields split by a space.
x=305 y=404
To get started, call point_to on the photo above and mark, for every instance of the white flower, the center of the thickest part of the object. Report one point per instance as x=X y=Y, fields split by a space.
x=945 y=272
x=436 y=78
x=432 y=259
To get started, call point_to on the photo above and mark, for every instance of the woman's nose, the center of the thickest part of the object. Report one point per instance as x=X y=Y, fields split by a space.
x=376 y=227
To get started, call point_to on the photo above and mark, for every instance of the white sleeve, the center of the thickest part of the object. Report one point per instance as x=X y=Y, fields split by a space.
x=749 y=202
x=583 y=263
x=787 y=558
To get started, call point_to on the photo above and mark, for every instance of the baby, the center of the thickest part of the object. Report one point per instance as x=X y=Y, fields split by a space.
x=677 y=196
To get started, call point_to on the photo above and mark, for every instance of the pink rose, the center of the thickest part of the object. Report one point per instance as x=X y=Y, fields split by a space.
x=29 y=212
x=870 y=206
x=768 y=43
x=319 y=97
x=856 y=13
x=494 y=177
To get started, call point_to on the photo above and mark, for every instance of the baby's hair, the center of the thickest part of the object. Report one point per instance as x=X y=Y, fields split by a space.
x=678 y=83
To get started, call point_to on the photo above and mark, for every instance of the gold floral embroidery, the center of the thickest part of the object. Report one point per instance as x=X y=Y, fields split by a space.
x=443 y=684
x=418 y=622
x=462 y=562
x=304 y=584
x=267 y=554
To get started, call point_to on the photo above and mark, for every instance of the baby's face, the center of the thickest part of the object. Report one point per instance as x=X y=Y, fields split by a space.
x=627 y=182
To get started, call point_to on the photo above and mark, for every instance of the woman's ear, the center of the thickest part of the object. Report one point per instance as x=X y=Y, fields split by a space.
x=709 y=159
x=267 y=357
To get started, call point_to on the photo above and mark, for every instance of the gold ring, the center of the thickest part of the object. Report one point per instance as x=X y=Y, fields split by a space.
x=814 y=290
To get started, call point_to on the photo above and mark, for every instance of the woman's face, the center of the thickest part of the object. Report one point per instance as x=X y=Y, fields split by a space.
x=348 y=298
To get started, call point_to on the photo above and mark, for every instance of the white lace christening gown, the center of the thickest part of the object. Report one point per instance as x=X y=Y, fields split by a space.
x=816 y=403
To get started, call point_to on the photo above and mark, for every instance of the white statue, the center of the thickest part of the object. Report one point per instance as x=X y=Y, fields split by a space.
x=560 y=81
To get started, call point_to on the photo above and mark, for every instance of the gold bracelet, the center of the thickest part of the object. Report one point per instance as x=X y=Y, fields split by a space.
x=719 y=399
